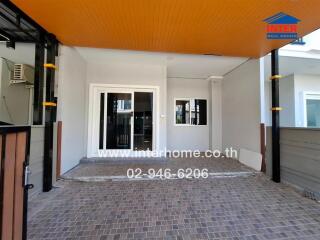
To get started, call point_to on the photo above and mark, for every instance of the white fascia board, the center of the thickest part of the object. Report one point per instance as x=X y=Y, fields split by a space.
x=288 y=53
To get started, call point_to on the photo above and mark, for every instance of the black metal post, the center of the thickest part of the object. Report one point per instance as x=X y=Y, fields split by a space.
x=50 y=116
x=38 y=84
x=275 y=116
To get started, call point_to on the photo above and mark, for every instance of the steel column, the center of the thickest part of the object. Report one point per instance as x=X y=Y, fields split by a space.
x=275 y=116
x=38 y=84
x=50 y=116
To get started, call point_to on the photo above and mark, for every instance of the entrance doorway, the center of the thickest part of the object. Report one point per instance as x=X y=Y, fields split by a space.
x=122 y=120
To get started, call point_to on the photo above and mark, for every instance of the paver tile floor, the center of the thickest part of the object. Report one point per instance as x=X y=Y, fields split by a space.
x=119 y=167
x=251 y=207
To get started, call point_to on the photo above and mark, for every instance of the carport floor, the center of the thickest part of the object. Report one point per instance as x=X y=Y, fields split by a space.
x=244 y=207
x=119 y=167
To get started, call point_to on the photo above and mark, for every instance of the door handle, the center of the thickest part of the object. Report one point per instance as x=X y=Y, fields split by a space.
x=27 y=173
x=29 y=186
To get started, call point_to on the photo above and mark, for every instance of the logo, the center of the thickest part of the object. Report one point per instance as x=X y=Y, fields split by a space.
x=282 y=26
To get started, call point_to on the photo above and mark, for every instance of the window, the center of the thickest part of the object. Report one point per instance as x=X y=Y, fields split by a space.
x=191 y=112
x=312 y=110
x=182 y=112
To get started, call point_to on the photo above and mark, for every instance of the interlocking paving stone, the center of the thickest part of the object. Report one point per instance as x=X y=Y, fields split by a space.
x=119 y=167
x=239 y=208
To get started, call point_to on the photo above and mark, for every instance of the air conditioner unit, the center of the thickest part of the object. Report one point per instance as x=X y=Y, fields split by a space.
x=22 y=73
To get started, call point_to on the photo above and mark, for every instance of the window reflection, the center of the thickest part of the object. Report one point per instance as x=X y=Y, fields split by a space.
x=313 y=113
x=191 y=112
x=182 y=112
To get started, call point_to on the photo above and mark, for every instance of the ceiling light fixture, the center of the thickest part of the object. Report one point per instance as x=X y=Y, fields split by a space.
x=215 y=77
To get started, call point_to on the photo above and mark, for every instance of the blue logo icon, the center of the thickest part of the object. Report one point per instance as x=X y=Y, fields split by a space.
x=282 y=26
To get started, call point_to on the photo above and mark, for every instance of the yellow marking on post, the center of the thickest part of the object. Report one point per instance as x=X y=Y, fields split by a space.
x=275 y=77
x=50 y=65
x=49 y=104
x=275 y=109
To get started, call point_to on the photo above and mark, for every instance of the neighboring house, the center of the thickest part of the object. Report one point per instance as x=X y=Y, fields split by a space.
x=300 y=86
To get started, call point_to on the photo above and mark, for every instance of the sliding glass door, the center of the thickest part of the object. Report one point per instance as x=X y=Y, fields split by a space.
x=143 y=121
x=125 y=120
x=119 y=118
x=116 y=117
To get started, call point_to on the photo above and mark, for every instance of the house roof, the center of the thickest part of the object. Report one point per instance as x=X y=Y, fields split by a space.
x=217 y=27
x=282 y=18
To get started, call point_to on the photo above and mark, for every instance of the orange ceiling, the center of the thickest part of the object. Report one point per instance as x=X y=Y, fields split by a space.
x=221 y=27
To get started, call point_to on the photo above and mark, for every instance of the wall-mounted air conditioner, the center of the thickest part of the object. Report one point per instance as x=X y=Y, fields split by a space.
x=22 y=73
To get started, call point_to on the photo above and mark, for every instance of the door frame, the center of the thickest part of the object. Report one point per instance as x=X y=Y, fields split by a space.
x=93 y=134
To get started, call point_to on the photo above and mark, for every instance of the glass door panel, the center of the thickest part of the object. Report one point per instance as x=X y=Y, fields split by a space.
x=143 y=122
x=118 y=125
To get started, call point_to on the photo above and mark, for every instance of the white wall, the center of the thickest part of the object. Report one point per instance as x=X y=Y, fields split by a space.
x=216 y=122
x=80 y=67
x=133 y=72
x=188 y=137
x=71 y=106
x=287 y=101
x=14 y=99
x=23 y=53
x=267 y=103
x=241 y=111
